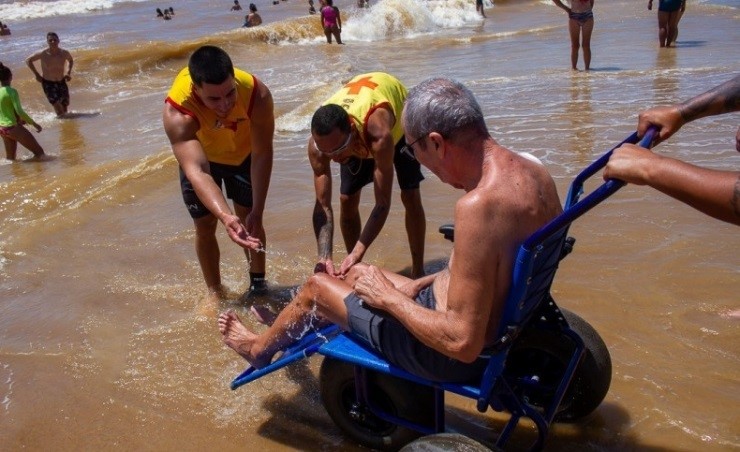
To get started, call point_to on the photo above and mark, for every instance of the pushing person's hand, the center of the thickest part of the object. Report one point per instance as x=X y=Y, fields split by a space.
x=667 y=119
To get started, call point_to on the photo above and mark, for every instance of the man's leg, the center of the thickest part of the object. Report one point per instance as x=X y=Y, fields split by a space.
x=349 y=219
x=256 y=259
x=209 y=255
x=416 y=229
x=319 y=301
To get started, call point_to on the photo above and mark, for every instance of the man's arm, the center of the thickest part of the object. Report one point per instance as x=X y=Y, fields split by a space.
x=323 y=215
x=70 y=63
x=30 y=62
x=724 y=98
x=715 y=193
x=263 y=129
x=181 y=130
x=379 y=127
x=479 y=274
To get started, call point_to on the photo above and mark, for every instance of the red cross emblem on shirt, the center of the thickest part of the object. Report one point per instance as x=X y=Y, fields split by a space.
x=356 y=86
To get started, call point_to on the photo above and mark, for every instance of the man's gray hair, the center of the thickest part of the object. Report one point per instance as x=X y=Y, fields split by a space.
x=444 y=106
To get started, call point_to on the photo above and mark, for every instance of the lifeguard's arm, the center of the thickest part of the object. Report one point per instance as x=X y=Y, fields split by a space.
x=561 y=5
x=379 y=126
x=323 y=215
x=263 y=129
x=181 y=130
x=30 y=62
x=713 y=192
x=479 y=258
x=724 y=98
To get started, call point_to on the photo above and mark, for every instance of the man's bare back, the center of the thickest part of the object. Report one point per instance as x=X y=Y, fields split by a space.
x=530 y=198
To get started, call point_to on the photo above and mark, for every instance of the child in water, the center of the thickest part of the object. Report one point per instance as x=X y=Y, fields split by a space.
x=12 y=118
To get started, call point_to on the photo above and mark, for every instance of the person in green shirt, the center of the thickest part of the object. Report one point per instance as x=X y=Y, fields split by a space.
x=12 y=118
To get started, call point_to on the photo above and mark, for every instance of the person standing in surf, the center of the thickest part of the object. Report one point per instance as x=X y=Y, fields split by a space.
x=331 y=21
x=12 y=118
x=56 y=71
x=580 y=26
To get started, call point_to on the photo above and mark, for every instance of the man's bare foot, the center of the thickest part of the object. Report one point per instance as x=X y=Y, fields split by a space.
x=239 y=338
x=209 y=305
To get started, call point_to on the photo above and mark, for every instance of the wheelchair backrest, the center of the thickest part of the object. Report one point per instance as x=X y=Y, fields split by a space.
x=532 y=276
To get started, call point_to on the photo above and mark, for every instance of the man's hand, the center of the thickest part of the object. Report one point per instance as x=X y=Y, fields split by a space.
x=325 y=266
x=667 y=119
x=372 y=286
x=254 y=225
x=238 y=234
x=37 y=127
x=630 y=163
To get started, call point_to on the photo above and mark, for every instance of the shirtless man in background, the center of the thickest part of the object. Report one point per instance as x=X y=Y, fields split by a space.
x=55 y=73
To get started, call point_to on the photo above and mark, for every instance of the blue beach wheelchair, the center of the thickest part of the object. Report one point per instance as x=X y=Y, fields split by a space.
x=548 y=364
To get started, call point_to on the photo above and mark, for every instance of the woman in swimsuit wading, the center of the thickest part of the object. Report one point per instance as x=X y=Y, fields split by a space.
x=330 y=21
x=580 y=25
x=12 y=118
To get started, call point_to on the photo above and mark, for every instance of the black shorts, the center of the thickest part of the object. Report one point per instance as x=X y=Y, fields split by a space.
x=237 y=179
x=357 y=173
x=56 y=91
x=386 y=335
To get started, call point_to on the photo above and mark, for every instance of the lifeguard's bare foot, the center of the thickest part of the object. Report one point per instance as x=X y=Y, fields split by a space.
x=238 y=337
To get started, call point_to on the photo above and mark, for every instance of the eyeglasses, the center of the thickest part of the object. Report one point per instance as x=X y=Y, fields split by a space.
x=336 y=151
x=409 y=150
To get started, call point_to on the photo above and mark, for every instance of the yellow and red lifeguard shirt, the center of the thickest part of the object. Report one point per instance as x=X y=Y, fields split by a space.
x=225 y=140
x=365 y=93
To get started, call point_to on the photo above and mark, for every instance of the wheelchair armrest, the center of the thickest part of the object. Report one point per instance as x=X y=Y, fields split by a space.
x=448 y=231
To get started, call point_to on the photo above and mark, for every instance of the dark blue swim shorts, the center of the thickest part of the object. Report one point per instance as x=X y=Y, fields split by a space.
x=386 y=335
x=237 y=179
x=356 y=172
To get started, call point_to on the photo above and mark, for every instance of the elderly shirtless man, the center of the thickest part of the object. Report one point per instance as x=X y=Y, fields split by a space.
x=435 y=326
x=56 y=71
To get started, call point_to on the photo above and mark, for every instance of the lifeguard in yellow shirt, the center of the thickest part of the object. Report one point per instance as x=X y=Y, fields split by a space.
x=360 y=128
x=220 y=123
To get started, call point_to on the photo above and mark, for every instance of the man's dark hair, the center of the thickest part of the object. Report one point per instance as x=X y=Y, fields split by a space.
x=51 y=34
x=327 y=118
x=210 y=64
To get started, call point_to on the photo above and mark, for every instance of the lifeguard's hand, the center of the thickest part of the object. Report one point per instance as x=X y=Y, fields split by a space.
x=238 y=234
x=667 y=119
x=325 y=266
x=372 y=286
x=630 y=163
x=253 y=225
x=37 y=127
x=347 y=263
